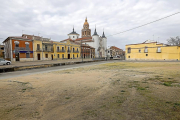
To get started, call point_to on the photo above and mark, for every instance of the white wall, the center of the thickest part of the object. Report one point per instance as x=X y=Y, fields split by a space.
x=76 y=36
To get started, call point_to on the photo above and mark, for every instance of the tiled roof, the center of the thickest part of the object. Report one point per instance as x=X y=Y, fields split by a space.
x=84 y=38
x=114 y=47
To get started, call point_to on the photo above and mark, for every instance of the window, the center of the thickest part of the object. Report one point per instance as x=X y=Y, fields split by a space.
x=77 y=55
x=159 y=49
x=73 y=36
x=146 y=49
x=45 y=47
x=58 y=55
x=63 y=56
x=128 y=56
x=146 y=54
x=16 y=45
x=62 y=48
x=77 y=49
x=27 y=55
x=58 y=48
x=139 y=50
x=73 y=49
x=129 y=50
x=108 y=51
x=73 y=55
x=46 y=55
x=27 y=46
x=38 y=46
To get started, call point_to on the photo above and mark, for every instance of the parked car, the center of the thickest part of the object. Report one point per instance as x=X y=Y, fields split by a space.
x=4 y=62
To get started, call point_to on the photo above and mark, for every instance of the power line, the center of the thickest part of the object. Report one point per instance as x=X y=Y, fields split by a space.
x=145 y=24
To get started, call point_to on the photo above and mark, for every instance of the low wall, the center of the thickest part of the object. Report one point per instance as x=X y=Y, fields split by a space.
x=18 y=68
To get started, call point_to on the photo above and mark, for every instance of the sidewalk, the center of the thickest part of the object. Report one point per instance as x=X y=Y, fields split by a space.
x=41 y=62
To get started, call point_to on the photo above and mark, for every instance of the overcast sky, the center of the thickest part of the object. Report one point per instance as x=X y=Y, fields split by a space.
x=55 y=19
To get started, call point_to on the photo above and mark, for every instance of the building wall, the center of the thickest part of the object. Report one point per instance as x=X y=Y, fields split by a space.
x=22 y=44
x=73 y=36
x=36 y=51
x=7 y=50
x=167 y=52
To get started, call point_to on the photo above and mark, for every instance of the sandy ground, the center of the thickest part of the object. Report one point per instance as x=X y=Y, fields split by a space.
x=113 y=91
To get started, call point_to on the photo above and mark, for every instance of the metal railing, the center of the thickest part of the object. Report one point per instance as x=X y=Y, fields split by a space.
x=48 y=50
x=75 y=51
x=38 y=50
x=68 y=50
x=22 y=48
x=60 y=50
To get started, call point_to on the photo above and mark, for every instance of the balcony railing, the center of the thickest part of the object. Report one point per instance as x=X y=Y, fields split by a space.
x=60 y=50
x=75 y=51
x=22 y=48
x=38 y=50
x=48 y=50
x=68 y=50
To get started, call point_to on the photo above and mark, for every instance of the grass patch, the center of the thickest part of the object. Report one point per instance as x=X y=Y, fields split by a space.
x=67 y=97
x=141 y=88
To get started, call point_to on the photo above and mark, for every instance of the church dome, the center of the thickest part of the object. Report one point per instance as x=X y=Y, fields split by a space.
x=86 y=23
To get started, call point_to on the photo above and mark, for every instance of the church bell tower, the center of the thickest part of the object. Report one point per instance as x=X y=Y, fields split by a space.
x=86 y=32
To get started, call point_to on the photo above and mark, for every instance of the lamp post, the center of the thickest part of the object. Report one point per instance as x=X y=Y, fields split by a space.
x=81 y=51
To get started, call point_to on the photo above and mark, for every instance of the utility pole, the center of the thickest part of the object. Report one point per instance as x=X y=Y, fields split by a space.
x=81 y=51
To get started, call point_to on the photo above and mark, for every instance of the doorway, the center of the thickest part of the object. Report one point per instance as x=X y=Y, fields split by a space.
x=17 y=56
x=84 y=55
x=38 y=56
x=69 y=56
x=51 y=57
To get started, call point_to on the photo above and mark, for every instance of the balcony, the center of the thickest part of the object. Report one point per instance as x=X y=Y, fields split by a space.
x=22 y=49
x=68 y=50
x=48 y=50
x=75 y=51
x=38 y=50
x=60 y=50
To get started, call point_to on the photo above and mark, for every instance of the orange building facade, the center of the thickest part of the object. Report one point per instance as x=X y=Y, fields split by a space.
x=18 y=49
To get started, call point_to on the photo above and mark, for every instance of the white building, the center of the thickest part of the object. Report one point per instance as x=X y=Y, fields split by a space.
x=95 y=41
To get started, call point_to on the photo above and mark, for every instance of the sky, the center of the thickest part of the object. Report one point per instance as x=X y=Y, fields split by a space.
x=55 y=19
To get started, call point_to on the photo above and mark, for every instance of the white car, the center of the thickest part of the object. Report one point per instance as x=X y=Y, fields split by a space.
x=4 y=62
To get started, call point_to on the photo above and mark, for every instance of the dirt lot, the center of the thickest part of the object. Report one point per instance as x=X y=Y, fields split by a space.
x=113 y=91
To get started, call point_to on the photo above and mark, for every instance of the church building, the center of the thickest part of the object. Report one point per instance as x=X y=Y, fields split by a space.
x=95 y=41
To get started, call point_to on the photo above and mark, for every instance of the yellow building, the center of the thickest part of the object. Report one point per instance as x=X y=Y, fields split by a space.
x=45 y=49
x=72 y=49
x=38 y=51
x=150 y=50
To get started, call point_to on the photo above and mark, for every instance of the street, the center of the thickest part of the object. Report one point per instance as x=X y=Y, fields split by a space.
x=43 y=70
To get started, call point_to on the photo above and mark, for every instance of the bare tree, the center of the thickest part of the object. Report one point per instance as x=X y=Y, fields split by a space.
x=173 y=41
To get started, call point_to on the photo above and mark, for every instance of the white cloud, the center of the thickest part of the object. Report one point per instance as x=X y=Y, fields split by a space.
x=55 y=19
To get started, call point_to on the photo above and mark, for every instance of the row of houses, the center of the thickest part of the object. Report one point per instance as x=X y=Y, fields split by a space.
x=114 y=51
x=31 y=48
x=151 y=50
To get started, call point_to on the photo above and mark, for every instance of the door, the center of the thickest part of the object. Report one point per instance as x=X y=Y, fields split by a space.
x=68 y=56
x=52 y=57
x=38 y=56
x=17 y=56
x=84 y=55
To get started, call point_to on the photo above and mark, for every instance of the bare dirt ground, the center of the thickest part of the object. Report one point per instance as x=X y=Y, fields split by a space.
x=113 y=91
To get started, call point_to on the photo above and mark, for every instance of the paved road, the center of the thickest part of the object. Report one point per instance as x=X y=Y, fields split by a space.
x=42 y=70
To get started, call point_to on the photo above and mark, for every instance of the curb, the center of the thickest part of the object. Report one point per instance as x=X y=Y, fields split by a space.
x=16 y=68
